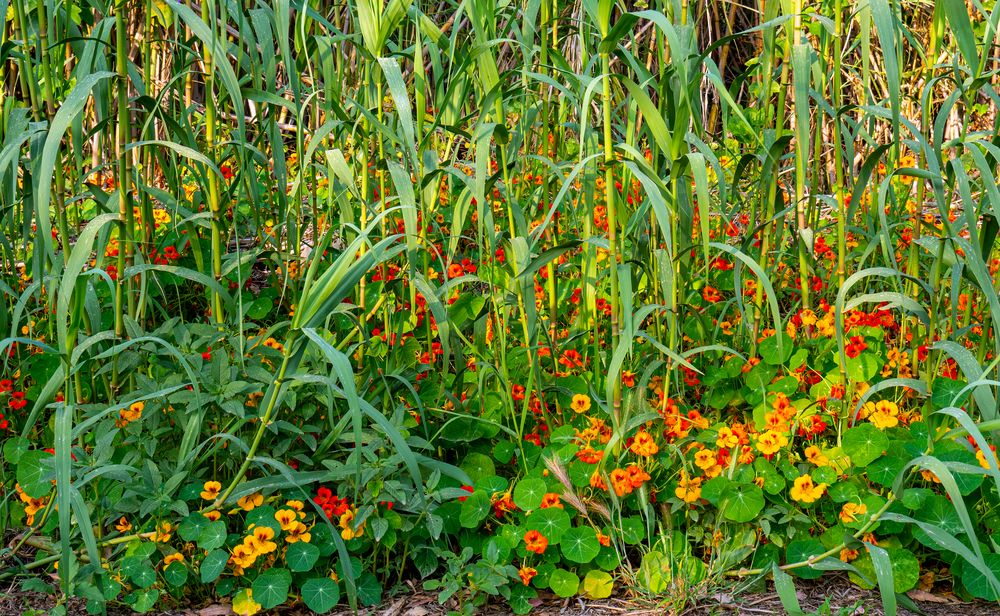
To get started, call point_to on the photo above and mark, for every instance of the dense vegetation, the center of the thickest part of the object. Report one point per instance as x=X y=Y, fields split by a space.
x=303 y=301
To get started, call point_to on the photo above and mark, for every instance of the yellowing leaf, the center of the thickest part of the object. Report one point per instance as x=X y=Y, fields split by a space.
x=244 y=605
x=598 y=584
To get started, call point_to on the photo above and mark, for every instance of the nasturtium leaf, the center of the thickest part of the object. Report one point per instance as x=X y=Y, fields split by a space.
x=864 y=444
x=270 y=589
x=976 y=583
x=504 y=452
x=320 y=594
x=34 y=473
x=843 y=491
x=967 y=482
x=244 y=603
x=801 y=550
x=564 y=583
x=175 y=574
x=301 y=556
x=862 y=368
x=15 y=447
x=143 y=601
x=598 y=584
x=521 y=598
x=264 y=516
x=632 y=529
x=655 y=571
x=551 y=522
x=528 y=493
x=478 y=466
x=369 y=589
x=212 y=536
x=580 y=544
x=742 y=502
x=914 y=498
x=492 y=484
x=768 y=349
x=945 y=390
x=190 y=529
x=213 y=565
x=824 y=474
x=713 y=489
x=884 y=470
x=142 y=574
x=608 y=559
x=475 y=509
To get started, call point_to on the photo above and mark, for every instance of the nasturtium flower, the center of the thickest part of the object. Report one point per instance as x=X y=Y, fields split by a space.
x=704 y=459
x=526 y=573
x=688 y=489
x=163 y=532
x=644 y=445
x=347 y=529
x=176 y=557
x=815 y=456
x=726 y=439
x=286 y=518
x=535 y=541
x=298 y=531
x=805 y=491
x=210 y=491
x=884 y=414
x=260 y=540
x=580 y=403
x=851 y=511
x=981 y=457
x=551 y=499
x=770 y=442
x=250 y=501
x=123 y=525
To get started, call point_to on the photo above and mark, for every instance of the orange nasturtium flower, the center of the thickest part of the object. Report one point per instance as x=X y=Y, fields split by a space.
x=535 y=542
x=884 y=414
x=644 y=445
x=851 y=511
x=581 y=403
x=688 y=490
x=210 y=491
x=805 y=491
x=551 y=499
x=526 y=574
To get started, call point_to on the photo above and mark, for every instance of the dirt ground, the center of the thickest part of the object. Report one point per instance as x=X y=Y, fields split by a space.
x=830 y=597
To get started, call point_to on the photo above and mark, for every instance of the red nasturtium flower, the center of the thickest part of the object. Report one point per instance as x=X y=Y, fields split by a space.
x=535 y=541
x=710 y=294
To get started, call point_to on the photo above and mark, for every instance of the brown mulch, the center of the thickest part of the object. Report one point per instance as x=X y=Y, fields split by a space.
x=839 y=596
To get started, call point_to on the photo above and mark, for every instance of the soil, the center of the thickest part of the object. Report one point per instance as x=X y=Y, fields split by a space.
x=832 y=596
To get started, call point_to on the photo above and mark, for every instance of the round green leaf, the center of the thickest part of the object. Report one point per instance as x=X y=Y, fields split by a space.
x=800 y=550
x=270 y=589
x=213 y=565
x=742 y=502
x=478 y=466
x=864 y=444
x=564 y=583
x=528 y=493
x=34 y=474
x=176 y=574
x=301 y=556
x=580 y=545
x=551 y=522
x=320 y=594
